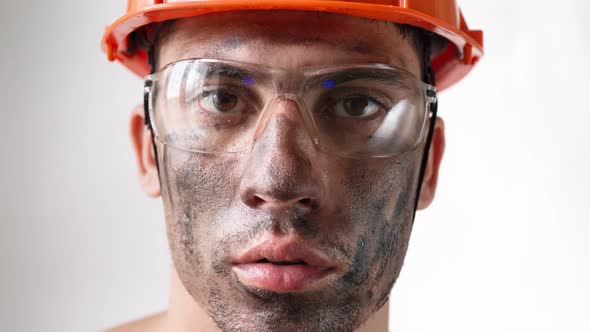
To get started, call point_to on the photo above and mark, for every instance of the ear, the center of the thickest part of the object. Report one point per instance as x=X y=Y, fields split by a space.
x=437 y=149
x=141 y=138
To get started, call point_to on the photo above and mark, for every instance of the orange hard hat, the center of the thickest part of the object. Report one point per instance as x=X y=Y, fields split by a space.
x=442 y=17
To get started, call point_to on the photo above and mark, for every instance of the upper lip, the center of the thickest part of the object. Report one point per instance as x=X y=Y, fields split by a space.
x=276 y=250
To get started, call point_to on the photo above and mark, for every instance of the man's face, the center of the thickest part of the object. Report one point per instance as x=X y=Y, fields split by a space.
x=349 y=220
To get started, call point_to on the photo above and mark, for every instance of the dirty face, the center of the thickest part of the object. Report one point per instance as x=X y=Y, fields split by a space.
x=286 y=237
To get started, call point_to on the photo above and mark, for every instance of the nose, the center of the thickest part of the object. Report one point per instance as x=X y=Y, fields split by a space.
x=282 y=172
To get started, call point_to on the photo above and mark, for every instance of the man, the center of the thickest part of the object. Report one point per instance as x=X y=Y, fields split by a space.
x=291 y=148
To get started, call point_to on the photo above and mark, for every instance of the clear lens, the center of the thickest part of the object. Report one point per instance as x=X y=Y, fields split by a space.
x=368 y=110
x=217 y=106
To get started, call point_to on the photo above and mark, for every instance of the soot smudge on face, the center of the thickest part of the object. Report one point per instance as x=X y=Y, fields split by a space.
x=206 y=218
x=382 y=244
x=200 y=184
x=193 y=195
x=391 y=234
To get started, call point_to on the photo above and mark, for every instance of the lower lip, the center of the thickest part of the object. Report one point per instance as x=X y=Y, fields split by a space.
x=281 y=278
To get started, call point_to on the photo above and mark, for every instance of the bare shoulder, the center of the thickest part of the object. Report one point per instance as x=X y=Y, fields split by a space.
x=153 y=323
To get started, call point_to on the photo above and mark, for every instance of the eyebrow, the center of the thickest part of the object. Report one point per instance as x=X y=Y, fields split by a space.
x=329 y=80
x=244 y=75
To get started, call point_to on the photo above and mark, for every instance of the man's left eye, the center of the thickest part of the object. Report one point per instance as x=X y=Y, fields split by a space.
x=356 y=107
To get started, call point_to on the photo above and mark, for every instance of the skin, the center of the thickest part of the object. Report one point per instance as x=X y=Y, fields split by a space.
x=358 y=211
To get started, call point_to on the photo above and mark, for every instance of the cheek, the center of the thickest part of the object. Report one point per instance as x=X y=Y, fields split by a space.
x=381 y=203
x=195 y=188
x=380 y=189
x=196 y=179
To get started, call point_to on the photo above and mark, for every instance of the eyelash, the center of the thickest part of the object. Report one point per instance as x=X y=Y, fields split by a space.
x=353 y=92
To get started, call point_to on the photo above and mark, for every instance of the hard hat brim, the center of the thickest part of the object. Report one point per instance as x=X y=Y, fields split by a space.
x=451 y=65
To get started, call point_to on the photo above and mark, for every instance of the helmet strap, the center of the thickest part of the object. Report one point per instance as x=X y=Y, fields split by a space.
x=146 y=114
x=430 y=79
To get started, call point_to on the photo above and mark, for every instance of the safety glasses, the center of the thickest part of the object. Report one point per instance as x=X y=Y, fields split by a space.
x=219 y=106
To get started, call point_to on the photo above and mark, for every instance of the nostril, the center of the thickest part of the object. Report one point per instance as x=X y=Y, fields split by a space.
x=305 y=201
x=308 y=203
x=256 y=200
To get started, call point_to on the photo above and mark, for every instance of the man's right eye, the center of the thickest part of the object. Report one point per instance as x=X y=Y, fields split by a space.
x=220 y=101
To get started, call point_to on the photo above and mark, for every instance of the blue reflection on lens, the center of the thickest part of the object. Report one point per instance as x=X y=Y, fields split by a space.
x=329 y=84
x=248 y=81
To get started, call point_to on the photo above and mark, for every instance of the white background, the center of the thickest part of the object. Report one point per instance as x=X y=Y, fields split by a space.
x=505 y=247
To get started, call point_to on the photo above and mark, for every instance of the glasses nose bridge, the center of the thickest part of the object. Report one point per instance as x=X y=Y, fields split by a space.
x=275 y=105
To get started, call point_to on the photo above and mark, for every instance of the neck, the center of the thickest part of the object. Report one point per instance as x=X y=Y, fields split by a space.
x=185 y=314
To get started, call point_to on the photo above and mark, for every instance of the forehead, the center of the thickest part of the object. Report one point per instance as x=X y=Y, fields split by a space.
x=287 y=39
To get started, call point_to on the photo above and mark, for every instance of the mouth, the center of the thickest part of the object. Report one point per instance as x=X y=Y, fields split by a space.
x=283 y=267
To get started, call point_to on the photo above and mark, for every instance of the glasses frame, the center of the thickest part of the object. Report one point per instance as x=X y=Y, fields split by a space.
x=304 y=72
